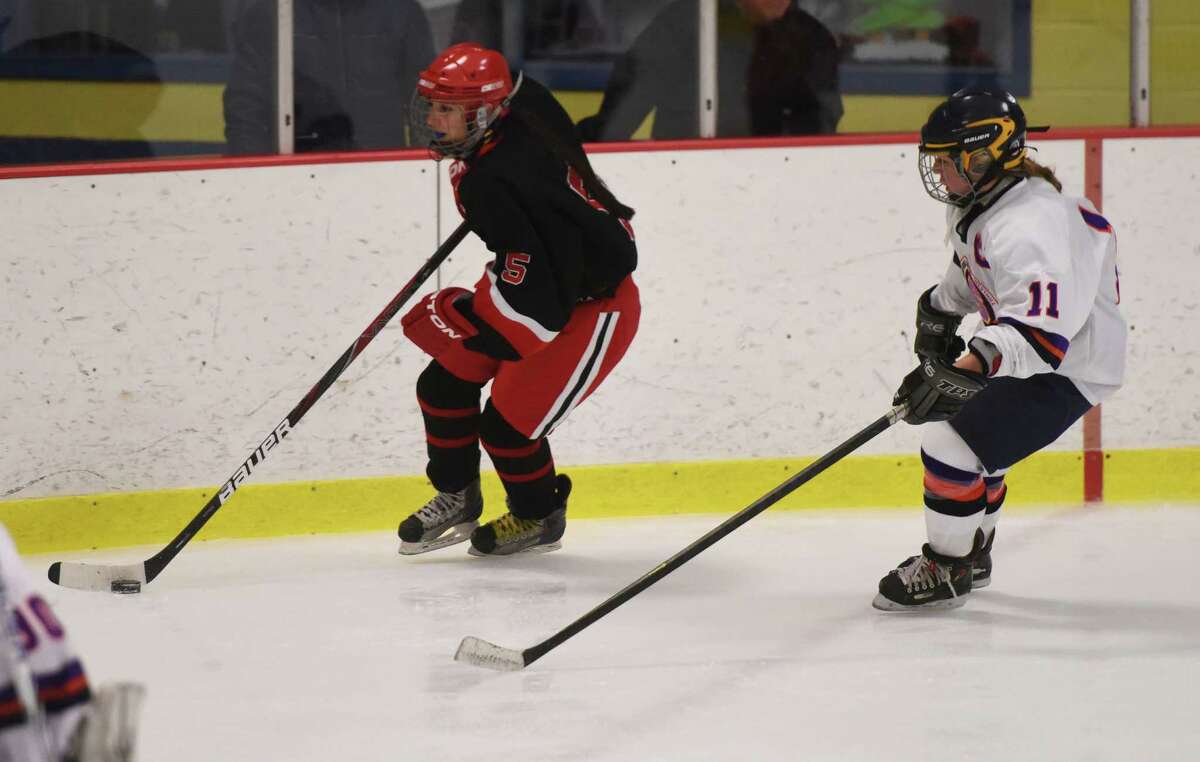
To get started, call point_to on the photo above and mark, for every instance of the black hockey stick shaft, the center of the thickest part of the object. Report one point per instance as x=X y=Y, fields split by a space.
x=156 y=563
x=880 y=425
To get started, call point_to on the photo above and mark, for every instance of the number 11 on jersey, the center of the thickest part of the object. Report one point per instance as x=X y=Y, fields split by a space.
x=1035 y=294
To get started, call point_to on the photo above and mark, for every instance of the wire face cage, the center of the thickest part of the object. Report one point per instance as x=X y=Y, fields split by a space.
x=448 y=129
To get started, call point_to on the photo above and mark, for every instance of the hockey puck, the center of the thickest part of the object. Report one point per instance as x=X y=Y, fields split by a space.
x=126 y=586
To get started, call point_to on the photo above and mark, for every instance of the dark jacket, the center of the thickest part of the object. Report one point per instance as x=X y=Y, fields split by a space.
x=522 y=200
x=356 y=64
x=780 y=78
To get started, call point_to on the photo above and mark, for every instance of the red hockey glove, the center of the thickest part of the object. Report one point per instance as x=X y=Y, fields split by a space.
x=435 y=325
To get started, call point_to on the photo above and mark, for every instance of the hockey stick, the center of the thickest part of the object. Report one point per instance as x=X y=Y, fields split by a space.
x=481 y=653
x=129 y=578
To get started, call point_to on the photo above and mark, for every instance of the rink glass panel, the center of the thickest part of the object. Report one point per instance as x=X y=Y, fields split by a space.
x=89 y=80
x=94 y=80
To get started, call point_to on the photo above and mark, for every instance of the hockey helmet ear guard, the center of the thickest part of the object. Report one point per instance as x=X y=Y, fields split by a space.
x=980 y=134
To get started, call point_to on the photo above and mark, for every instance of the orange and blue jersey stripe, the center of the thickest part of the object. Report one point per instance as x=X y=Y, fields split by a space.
x=63 y=689
x=12 y=711
x=1051 y=347
x=56 y=691
x=1096 y=221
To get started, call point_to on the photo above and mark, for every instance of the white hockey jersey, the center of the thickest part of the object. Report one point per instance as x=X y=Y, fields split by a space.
x=36 y=664
x=1040 y=267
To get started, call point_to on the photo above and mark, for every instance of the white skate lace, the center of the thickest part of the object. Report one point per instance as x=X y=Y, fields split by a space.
x=923 y=574
x=442 y=507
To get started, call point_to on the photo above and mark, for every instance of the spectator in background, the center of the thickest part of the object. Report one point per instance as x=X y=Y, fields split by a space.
x=777 y=74
x=963 y=37
x=98 y=134
x=354 y=63
x=546 y=25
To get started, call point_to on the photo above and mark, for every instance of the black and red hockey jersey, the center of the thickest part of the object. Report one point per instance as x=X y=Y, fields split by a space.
x=555 y=245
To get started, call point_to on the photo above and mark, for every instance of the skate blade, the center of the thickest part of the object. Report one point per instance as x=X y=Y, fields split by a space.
x=453 y=536
x=547 y=548
x=886 y=604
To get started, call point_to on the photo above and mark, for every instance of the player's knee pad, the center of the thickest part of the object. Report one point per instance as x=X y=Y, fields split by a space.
x=497 y=432
x=439 y=388
x=941 y=442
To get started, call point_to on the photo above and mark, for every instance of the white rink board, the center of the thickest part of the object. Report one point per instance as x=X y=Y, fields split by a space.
x=158 y=326
x=778 y=286
x=1152 y=198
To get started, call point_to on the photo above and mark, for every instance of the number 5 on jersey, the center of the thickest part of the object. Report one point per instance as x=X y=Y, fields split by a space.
x=514 y=268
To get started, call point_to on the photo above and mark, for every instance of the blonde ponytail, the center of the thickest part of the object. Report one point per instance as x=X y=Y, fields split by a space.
x=1030 y=168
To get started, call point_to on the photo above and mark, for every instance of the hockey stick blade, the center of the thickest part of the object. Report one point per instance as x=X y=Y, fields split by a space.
x=95 y=577
x=480 y=653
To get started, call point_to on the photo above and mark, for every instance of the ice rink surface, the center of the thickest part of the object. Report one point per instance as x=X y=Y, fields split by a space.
x=765 y=647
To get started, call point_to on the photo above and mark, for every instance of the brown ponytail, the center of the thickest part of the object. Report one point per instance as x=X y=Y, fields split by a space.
x=1030 y=168
x=560 y=138
x=570 y=151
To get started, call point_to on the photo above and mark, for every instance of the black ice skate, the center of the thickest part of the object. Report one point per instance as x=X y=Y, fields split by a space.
x=928 y=581
x=509 y=535
x=981 y=567
x=447 y=519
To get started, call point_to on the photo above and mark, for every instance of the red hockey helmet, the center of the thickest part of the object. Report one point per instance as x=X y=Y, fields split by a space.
x=465 y=79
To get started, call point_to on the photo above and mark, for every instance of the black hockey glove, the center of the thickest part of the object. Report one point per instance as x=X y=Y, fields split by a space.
x=937 y=335
x=936 y=391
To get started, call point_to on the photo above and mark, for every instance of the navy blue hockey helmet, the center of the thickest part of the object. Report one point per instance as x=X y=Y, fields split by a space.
x=981 y=133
